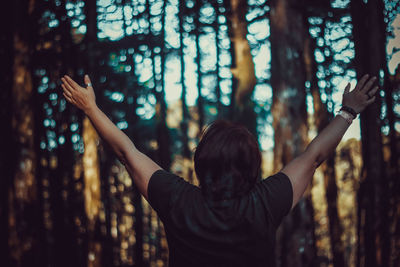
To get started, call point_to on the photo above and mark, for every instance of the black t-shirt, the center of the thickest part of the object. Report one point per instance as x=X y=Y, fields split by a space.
x=236 y=232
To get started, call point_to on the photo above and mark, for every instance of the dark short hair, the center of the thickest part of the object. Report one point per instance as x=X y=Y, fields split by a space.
x=227 y=160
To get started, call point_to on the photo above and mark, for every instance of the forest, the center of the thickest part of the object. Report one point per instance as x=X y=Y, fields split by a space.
x=162 y=70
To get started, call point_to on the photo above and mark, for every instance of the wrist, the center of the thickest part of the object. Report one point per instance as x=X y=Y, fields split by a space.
x=346 y=115
x=90 y=109
x=349 y=110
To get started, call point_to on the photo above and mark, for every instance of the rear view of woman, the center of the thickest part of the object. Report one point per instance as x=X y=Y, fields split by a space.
x=232 y=217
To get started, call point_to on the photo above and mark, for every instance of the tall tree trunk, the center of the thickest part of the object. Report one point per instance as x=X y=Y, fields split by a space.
x=395 y=220
x=105 y=162
x=91 y=170
x=23 y=193
x=322 y=118
x=185 y=113
x=296 y=240
x=163 y=139
x=64 y=207
x=151 y=226
x=90 y=160
x=7 y=153
x=200 y=100
x=133 y=120
x=243 y=70
x=391 y=85
x=107 y=257
x=42 y=173
x=218 y=13
x=369 y=39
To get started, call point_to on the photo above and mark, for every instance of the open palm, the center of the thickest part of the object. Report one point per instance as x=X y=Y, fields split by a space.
x=83 y=98
x=362 y=95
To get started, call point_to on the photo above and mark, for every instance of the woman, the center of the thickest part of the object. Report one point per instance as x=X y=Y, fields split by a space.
x=231 y=219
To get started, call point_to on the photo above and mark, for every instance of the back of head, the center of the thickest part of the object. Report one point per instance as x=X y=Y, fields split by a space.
x=227 y=160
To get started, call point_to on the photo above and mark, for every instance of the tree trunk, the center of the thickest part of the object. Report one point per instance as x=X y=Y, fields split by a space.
x=7 y=153
x=91 y=170
x=200 y=100
x=64 y=206
x=23 y=194
x=322 y=118
x=185 y=113
x=296 y=241
x=368 y=31
x=218 y=13
x=163 y=139
x=243 y=70
x=395 y=141
x=392 y=86
x=395 y=251
x=107 y=257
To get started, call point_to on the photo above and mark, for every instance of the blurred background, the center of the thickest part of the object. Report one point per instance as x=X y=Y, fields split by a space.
x=163 y=70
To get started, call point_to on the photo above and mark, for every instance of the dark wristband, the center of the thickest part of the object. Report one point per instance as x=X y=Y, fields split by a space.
x=349 y=110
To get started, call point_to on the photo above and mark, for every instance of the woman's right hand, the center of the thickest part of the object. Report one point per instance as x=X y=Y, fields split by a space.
x=83 y=98
x=362 y=96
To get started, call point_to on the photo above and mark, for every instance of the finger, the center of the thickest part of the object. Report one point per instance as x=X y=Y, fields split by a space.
x=347 y=88
x=65 y=91
x=371 y=100
x=373 y=91
x=368 y=85
x=361 y=82
x=67 y=87
x=87 y=80
x=69 y=99
x=71 y=82
x=66 y=84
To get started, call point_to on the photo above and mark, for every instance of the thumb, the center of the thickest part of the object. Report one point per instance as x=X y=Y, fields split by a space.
x=347 y=88
x=87 y=80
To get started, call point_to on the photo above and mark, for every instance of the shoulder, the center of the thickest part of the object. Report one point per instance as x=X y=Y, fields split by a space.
x=276 y=193
x=164 y=180
x=274 y=182
x=165 y=188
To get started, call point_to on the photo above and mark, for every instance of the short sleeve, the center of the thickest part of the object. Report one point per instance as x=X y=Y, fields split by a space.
x=162 y=189
x=278 y=193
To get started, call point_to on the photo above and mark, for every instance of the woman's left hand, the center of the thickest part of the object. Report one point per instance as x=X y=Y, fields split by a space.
x=83 y=98
x=362 y=96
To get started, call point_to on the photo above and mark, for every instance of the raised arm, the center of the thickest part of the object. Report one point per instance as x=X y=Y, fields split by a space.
x=300 y=171
x=139 y=166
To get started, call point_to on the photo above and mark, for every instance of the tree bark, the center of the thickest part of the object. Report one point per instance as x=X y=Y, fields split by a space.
x=22 y=198
x=163 y=139
x=296 y=240
x=218 y=13
x=200 y=100
x=243 y=70
x=185 y=112
x=7 y=153
x=91 y=170
x=322 y=118
x=369 y=40
x=395 y=141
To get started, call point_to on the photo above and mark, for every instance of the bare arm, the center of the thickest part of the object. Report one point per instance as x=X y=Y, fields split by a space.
x=139 y=166
x=300 y=171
